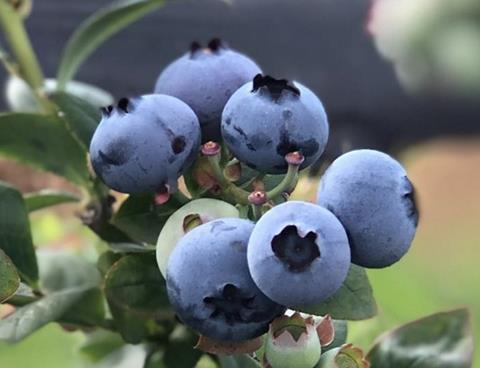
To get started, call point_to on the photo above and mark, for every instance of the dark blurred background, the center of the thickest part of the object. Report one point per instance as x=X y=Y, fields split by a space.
x=321 y=43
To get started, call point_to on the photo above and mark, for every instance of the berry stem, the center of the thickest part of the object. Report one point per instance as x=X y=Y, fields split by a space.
x=289 y=182
x=28 y=66
x=257 y=199
x=213 y=152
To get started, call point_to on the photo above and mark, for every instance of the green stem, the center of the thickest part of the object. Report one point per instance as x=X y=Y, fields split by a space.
x=13 y=27
x=287 y=185
x=7 y=62
x=237 y=194
x=257 y=211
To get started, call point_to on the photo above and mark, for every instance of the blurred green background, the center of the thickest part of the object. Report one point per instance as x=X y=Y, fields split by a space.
x=440 y=272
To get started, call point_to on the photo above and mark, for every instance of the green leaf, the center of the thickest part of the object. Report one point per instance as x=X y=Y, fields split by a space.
x=10 y=281
x=99 y=344
x=238 y=361
x=24 y=295
x=141 y=219
x=127 y=356
x=106 y=261
x=442 y=340
x=179 y=352
x=137 y=296
x=44 y=143
x=47 y=198
x=90 y=311
x=80 y=117
x=98 y=28
x=341 y=331
x=31 y=317
x=15 y=236
x=63 y=270
x=353 y=301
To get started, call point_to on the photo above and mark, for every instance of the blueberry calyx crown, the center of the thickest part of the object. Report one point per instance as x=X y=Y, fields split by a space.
x=123 y=105
x=213 y=46
x=274 y=86
x=295 y=251
x=231 y=304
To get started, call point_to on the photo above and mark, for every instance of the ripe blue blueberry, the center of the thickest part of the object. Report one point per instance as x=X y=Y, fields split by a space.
x=268 y=118
x=205 y=78
x=298 y=254
x=144 y=144
x=209 y=285
x=372 y=196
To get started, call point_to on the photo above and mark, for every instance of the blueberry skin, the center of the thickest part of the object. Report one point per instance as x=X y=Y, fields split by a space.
x=372 y=196
x=307 y=275
x=145 y=143
x=260 y=129
x=209 y=285
x=205 y=79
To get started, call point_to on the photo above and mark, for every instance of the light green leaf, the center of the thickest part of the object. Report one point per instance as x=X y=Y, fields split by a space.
x=44 y=143
x=353 y=301
x=47 y=198
x=9 y=279
x=15 y=235
x=99 y=344
x=31 y=317
x=80 y=117
x=61 y=270
x=442 y=340
x=98 y=28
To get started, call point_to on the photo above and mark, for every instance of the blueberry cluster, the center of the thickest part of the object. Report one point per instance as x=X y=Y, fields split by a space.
x=231 y=268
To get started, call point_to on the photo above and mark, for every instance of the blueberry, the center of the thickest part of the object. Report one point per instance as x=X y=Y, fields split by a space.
x=194 y=212
x=372 y=196
x=209 y=285
x=205 y=78
x=268 y=118
x=144 y=144
x=298 y=254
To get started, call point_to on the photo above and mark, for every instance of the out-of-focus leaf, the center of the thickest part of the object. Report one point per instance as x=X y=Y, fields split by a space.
x=15 y=235
x=97 y=28
x=99 y=344
x=141 y=219
x=44 y=143
x=20 y=97
x=9 y=279
x=31 y=317
x=64 y=270
x=353 y=301
x=127 y=356
x=179 y=352
x=238 y=361
x=131 y=247
x=442 y=340
x=137 y=296
x=80 y=117
x=341 y=331
x=47 y=198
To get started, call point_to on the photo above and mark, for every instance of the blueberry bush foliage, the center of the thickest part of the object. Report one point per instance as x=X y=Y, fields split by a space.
x=220 y=271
